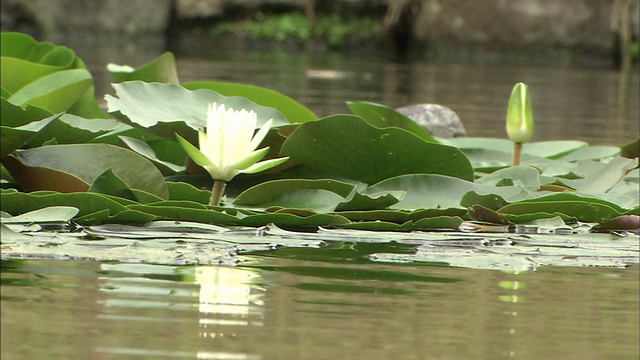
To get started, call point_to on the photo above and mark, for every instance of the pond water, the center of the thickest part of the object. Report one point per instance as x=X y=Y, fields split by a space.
x=595 y=104
x=284 y=307
x=311 y=304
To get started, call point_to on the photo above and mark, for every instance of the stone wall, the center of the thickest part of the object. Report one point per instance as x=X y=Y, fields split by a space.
x=576 y=25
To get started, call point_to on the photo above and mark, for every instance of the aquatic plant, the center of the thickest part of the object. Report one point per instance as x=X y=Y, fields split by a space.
x=128 y=167
x=519 y=120
x=228 y=146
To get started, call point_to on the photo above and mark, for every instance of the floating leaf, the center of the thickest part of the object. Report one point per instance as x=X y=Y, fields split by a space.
x=73 y=129
x=523 y=176
x=291 y=109
x=162 y=70
x=437 y=191
x=480 y=213
x=166 y=109
x=48 y=214
x=145 y=150
x=50 y=167
x=268 y=192
x=582 y=208
x=293 y=221
x=172 y=212
x=185 y=191
x=15 y=202
x=55 y=92
x=383 y=117
x=592 y=153
x=608 y=177
x=546 y=149
x=111 y=184
x=375 y=154
x=624 y=223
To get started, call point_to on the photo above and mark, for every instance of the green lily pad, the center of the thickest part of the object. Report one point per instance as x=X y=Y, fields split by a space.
x=523 y=176
x=608 y=177
x=111 y=184
x=584 y=209
x=48 y=214
x=432 y=191
x=291 y=109
x=395 y=216
x=379 y=225
x=163 y=108
x=145 y=150
x=170 y=211
x=55 y=92
x=284 y=220
x=374 y=154
x=48 y=166
x=277 y=192
x=162 y=70
x=127 y=216
x=545 y=149
x=185 y=191
x=383 y=117
x=592 y=153
x=358 y=201
x=478 y=212
x=15 y=202
x=73 y=129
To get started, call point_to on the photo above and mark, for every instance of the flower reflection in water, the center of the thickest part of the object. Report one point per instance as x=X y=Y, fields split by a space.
x=229 y=297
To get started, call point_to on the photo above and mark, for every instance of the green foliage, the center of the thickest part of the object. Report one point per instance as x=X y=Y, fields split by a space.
x=47 y=76
x=333 y=29
x=374 y=169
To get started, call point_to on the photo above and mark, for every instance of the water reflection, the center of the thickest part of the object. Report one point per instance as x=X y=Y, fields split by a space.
x=230 y=297
x=88 y=310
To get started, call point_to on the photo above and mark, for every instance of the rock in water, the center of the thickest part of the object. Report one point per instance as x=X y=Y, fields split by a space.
x=439 y=120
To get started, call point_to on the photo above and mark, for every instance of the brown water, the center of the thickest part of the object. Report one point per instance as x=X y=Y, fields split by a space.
x=315 y=310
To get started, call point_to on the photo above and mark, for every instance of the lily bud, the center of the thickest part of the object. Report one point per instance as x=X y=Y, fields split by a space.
x=519 y=115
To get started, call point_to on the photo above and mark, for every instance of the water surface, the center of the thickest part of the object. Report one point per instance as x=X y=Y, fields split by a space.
x=283 y=308
x=595 y=104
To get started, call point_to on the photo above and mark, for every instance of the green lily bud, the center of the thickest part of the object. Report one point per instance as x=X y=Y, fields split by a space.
x=519 y=115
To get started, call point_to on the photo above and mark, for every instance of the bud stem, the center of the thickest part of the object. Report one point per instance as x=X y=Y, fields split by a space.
x=517 y=153
x=216 y=192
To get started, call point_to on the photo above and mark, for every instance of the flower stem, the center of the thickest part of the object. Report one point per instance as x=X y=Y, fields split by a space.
x=216 y=192
x=517 y=153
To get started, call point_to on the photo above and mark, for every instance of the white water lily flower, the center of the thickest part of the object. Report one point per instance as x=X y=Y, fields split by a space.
x=228 y=146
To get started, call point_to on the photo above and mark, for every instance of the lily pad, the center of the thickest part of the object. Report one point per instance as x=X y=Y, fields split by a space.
x=277 y=192
x=48 y=214
x=432 y=191
x=291 y=109
x=49 y=167
x=162 y=70
x=55 y=92
x=161 y=108
x=374 y=154
x=383 y=117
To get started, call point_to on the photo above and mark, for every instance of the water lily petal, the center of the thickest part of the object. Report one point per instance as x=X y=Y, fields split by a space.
x=250 y=159
x=264 y=165
x=228 y=146
x=193 y=152
x=260 y=135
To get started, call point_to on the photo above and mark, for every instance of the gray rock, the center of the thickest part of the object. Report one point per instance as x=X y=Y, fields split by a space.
x=439 y=120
